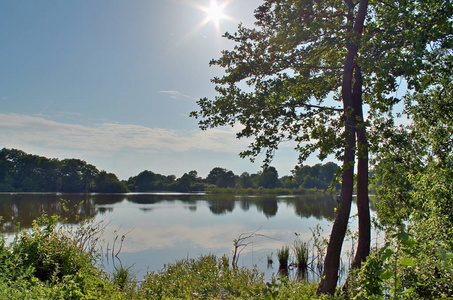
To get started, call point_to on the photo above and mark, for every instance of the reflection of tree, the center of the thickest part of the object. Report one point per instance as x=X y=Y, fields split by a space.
x=318 y=206
x=108 y=199
x=245 y=204
x=103 y=210
x=220 y=204
x=268 y=205
x=192 y=208
x=157 y=198
x=24 y=208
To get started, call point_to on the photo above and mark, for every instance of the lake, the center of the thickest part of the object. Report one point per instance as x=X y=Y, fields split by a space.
x=160 y=228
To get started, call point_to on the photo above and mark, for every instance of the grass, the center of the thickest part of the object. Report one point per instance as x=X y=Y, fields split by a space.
x=283 y=257
x=301 y=254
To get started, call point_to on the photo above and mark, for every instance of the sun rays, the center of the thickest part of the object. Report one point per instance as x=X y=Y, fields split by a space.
x=214 y=13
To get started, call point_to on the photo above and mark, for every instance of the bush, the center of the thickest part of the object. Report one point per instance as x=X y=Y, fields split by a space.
x=48 y=263
x=205 y=278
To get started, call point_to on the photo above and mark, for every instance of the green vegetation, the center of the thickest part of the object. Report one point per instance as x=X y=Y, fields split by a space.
x=304 y=179
x=331 y=76
x=305 y=73
x=49 y=263
x=22 y=172
x=55 y=262
x=283 y=257
x=301 y=255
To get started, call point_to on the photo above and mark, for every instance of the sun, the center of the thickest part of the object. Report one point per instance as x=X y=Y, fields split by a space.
x=214 y=13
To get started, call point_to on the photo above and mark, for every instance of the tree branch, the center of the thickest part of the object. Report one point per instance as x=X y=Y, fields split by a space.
x=320 y=107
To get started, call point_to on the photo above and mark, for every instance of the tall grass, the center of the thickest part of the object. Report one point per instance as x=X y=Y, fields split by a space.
x=301 y=254
x=283 y=257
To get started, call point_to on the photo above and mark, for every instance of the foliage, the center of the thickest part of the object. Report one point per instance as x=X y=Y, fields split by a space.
x=318 y=176
x=264 y=191
x=22 y=172
x=403 y=270
x=206 y=278
x=210 y=278
x=221 y=178
x=48 y=263
x=285 y=76
x=414 y=173
x=123 y=279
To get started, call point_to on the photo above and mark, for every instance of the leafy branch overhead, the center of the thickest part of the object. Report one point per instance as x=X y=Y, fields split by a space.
x=283 y=79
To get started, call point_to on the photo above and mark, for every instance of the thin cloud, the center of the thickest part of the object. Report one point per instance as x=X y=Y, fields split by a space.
x=112 y=137
x=177 y=95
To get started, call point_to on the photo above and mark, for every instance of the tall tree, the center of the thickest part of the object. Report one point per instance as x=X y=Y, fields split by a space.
x=304 y=73
x=269 y=178
x=221 y=177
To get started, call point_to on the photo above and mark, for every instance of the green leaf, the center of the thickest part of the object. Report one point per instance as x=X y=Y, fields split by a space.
x=407 y=291
x=403 y=236
x=449 y=255
x=407 y=262
x=408 y=243
x=387 y=254
x=386 y=275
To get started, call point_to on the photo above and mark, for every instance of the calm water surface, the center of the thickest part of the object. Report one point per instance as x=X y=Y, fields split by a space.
x=162 y=228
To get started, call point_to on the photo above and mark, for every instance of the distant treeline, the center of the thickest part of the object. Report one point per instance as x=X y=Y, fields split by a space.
x=22 y=172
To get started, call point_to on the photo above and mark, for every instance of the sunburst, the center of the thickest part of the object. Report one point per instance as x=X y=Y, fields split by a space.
x=215 y=13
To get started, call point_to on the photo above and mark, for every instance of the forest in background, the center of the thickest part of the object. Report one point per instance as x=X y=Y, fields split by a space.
x=23 y=172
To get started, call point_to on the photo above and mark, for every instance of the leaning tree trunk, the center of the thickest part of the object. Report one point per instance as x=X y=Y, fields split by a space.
x=332 y=261
x=363 y=205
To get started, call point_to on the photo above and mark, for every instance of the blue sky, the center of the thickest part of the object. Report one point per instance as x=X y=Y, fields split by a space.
x=113 y=82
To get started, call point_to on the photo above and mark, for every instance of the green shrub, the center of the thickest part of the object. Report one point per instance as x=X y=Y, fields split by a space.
x=49 y=251
x=48 y=263
x=405 y=268
x=204 y=278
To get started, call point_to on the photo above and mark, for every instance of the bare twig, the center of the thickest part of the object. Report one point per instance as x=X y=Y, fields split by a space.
x=242 y=242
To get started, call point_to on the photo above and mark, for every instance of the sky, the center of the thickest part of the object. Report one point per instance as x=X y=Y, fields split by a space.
x=113 y=82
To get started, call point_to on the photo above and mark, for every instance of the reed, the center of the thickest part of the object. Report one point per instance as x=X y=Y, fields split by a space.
x=301 y=255
x=283 y=257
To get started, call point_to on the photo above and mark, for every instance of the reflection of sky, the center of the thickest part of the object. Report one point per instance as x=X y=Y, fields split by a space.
x=168 y=225
x=167 y=231
x=164 y=228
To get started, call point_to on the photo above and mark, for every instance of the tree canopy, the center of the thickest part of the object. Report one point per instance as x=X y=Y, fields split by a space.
x=22 y=172
x=305 y=72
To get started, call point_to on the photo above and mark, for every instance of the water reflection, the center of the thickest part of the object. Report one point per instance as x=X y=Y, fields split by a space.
x=162 y=228
x=24 y=208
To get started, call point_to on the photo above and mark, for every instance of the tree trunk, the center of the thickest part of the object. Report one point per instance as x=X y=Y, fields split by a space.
x=363 y=206
x=332 y=261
